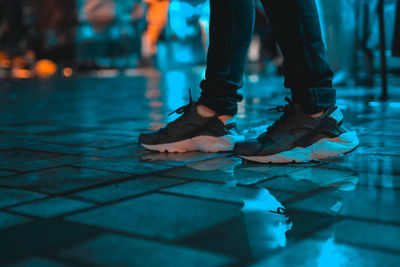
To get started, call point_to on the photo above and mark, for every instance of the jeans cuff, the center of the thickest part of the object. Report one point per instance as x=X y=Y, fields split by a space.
x=314 y=100
x=220 y=97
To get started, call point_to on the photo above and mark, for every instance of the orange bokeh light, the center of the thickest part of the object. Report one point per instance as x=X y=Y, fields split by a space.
x=5 y=61
x=21 y=73
x=45 y=68
x=67 y=72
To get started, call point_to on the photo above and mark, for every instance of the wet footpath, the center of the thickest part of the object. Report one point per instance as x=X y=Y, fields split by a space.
x=77 y=190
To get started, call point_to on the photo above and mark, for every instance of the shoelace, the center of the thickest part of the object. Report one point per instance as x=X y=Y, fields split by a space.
x=180 y=110
x=184 y=108
x=282 y=121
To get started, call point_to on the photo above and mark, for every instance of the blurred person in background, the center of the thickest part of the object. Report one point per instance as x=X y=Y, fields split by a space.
x=57 y=21
x=367 y=37
x=264 y=45
x=99 y=13
x=156 y=17
x=311 y=127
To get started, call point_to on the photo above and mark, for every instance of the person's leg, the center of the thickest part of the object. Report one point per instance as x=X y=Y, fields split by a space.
x=202 y=126
x=296 y=26
x=231 y=28
x=156 y=18
x=311 y=127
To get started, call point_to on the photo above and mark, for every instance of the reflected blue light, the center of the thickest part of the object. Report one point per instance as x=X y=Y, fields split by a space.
x=394 y=105
x=175 y=91
x=184 y=54
x=265 y=228
x=175 y=6
x=374 y=104
x=379 y=104
x=332 y=255
x=180 y=15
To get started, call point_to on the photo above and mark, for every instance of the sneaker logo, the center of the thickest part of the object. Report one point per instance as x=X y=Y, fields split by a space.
x=337 y=115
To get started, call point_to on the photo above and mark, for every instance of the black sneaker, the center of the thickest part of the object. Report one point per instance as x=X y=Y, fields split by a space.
x=192 y=132
x=297 y=137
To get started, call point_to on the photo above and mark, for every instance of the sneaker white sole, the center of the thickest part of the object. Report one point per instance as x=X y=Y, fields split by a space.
x=322 y=149
x=199 y=143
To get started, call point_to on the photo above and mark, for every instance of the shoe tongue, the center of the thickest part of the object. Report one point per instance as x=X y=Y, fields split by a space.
x=192 y=106
x=298 y=108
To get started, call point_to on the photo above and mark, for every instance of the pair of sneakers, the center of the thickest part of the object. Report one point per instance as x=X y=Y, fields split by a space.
x=294 y=137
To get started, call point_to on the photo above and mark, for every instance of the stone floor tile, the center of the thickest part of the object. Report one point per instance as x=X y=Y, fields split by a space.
x=56 y=148
x=364 y=203
x=75 y=138
x=288 y=184
x=181 y=159
x=328 y=253
x=248 y=238
x=11 y=138
x=41 y=236
x=180 y=216
x=124 y=151
x=116 y=142
x=282 y=196
x=132 y=125
x=116 y=132
x=8 y=220
x=33 y=128
x=366 y=163
x=38 y=261
x=115 y=250
x=230 y=170
x=6 y=173
x=11 y=196
x=362 y=233
x=380 y=180
x=45 y=163
x=127 y=165
x=323 y=177
x=51 y=207
x=386 y=151
x=18 y=155
x=12 y=144
x=60 y=179
x=223 y=192
x=127 y=189
x=65 y=129
x=376 y=141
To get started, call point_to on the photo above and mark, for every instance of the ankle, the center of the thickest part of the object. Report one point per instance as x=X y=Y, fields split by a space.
x=205 y=111
x=225 y=118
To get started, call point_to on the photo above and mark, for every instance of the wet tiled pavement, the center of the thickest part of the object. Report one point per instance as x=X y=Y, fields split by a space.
x=77 y=190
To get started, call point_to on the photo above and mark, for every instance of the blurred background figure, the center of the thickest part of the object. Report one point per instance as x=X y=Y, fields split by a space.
x=42 y=38
x=99 y=13
x=264 y=49
x=156 y=18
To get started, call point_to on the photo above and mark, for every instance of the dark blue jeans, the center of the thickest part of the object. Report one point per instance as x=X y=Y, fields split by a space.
x=296 y=26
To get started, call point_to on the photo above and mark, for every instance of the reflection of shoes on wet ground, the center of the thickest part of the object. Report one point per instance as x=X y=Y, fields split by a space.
x=297 y=137
x=192 y=132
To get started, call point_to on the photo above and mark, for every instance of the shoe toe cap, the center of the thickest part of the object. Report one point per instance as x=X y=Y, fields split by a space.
x=149 y=138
